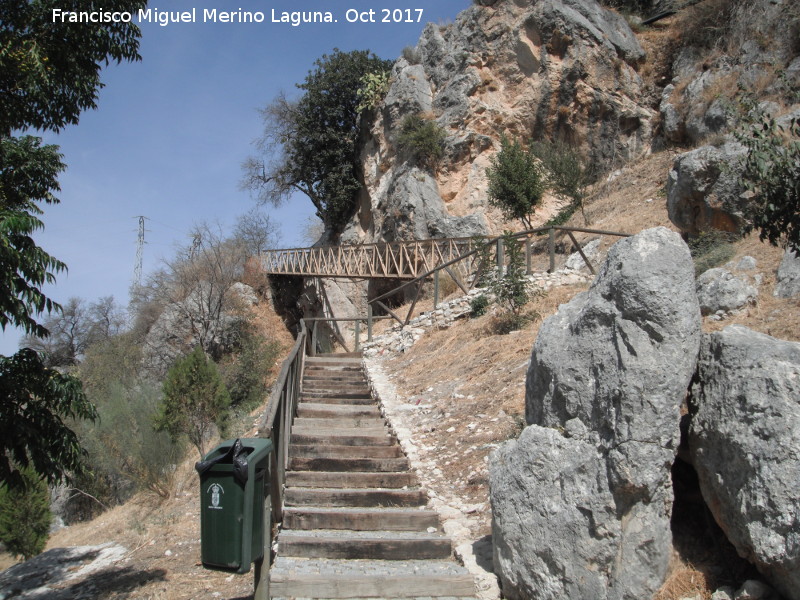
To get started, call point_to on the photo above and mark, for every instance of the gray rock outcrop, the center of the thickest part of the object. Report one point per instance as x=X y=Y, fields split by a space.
x=788 y=284
x=592 y=520
x=703 y=191
x=720 y=290
x=745 y=445
x=703 y=97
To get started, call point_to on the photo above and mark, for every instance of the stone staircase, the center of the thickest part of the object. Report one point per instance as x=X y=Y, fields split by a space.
x=354 y=523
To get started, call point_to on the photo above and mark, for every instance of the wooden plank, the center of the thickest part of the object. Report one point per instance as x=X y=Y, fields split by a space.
x=313 y=410
x=350 y=480
x=380 y=465
x=360 y=519
x=309 y=546
x=340 y=422
x=580 y=251
x=327 y=398
x=353 y=497
x=341 y=432
x=306 y=439
x=334 y=451
x=404 y=586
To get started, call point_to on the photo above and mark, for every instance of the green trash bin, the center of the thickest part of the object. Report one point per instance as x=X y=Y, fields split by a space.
x=233 y=492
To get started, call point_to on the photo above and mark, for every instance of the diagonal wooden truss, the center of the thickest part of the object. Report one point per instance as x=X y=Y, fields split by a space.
x=393 y=260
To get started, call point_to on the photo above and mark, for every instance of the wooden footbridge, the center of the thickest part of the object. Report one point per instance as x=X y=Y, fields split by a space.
x=391 y=260
x=417 y=261
x=411 y=259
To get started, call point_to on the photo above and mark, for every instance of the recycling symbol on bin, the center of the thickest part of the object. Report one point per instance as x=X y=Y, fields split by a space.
x=215 y=490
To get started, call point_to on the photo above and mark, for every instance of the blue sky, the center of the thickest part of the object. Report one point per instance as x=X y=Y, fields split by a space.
x=171 y=132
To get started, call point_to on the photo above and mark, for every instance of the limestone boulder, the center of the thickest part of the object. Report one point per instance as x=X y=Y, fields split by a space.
x=554 y=527
x=599 y=392
x=720 y=290
x=703 y=191
x=745 y=445
x=788 y=276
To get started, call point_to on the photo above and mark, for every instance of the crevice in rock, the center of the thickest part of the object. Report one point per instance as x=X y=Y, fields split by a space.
x=697 y=538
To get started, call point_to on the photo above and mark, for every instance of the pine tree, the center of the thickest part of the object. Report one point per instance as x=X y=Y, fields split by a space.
x=195 y=400
x=25 y=516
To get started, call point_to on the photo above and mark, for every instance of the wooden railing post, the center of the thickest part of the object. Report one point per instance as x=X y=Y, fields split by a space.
x=435 y=290
x=501 y=257
x=369 y=322
x=528 y=256
x=358 y=335
x=551 y=247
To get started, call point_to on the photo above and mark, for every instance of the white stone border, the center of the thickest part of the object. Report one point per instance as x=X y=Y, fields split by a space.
x=455 y=522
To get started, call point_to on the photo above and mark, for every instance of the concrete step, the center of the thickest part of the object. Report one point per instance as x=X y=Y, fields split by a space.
x=355 y=479
x=334 y=389
x=340 y=422
x=332 y=578
x=334 y=375
x=348 y=465
x=345 y=399
x=331 y=432
x=360 y=519
x=334 y=439
x=332 y=360
x=339 y=452
x=376 y=497
x=381 y=545
x=315 y=410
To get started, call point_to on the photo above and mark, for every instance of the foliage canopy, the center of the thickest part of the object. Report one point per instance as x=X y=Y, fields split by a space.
x=565 y=173
x=36 y=402
x=316 y=138
x=25 y=516
x=195 y=400
x=772 y=174
x=516 y=181
x=49 y=74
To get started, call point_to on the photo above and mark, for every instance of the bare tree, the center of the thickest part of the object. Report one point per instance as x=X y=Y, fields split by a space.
x=256 y=231
x=76 y=327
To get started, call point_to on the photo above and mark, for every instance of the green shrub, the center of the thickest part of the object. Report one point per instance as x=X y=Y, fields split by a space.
x=566 y=176
x=711 y=248
x=772 y=175
x=507 y=322
x=126 y=453
x=422 y=140
x=25 y=516
x=373 y=89
x=516 y=182
x=511 y=290
x=478 y=306
x=195 y=400
x=245 y=371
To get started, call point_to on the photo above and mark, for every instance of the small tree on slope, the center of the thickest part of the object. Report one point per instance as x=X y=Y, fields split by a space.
x=195 y=400
x=516 y=182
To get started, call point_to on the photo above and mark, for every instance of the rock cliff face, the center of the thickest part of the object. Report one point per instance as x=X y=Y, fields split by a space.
x=524 y=68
